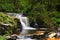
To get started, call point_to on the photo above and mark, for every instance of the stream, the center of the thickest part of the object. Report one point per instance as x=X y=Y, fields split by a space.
x=25 y=25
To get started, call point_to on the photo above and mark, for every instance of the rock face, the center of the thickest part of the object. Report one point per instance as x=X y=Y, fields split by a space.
x=8 y=24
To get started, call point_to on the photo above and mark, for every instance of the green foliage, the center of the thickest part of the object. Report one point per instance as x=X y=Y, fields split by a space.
x=9 y=6
x=3 y=38
x=46 y=9
x=6 y=5
x=6 y=19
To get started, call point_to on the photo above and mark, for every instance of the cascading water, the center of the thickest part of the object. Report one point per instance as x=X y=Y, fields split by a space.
x=24 y=22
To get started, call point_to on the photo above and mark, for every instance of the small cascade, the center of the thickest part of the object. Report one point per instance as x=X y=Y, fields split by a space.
x=24 y=22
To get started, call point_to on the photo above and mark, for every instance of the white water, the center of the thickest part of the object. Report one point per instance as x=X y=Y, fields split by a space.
x=24 y=22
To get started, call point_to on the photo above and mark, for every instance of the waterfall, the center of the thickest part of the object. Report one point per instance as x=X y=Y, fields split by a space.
x=24 y=22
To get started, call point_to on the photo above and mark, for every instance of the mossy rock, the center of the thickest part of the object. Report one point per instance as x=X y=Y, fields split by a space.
x=9 y=23
x=6 y=19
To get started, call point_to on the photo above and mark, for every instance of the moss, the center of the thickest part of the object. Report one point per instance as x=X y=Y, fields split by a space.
x=6 y=19
x=11 y=21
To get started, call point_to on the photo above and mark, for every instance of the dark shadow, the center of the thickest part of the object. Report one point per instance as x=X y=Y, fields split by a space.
x=58 y=8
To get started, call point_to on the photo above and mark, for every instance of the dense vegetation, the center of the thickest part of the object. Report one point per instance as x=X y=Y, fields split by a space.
x=6 y=19
x=47 y=11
